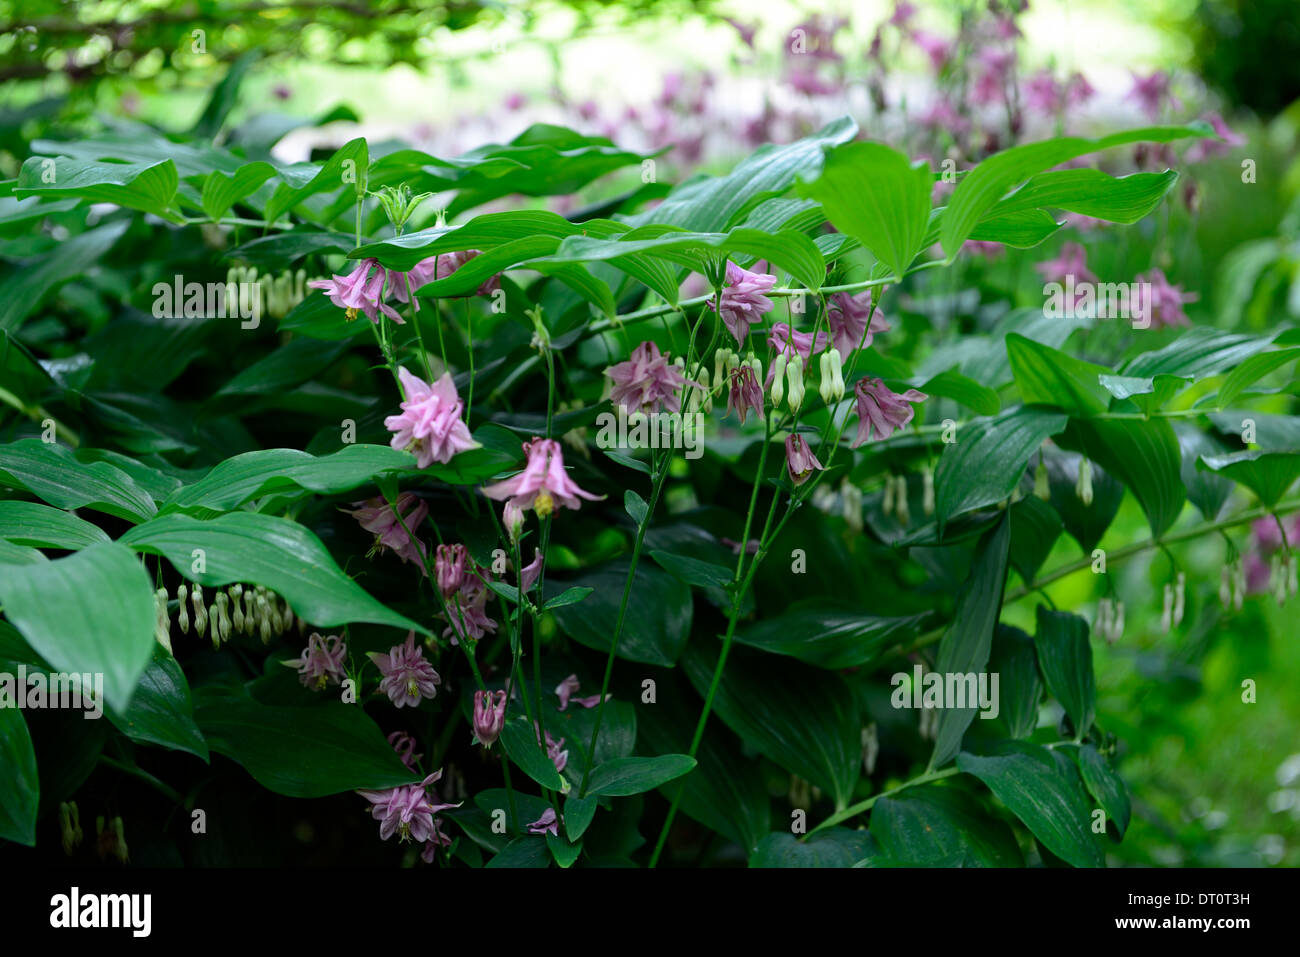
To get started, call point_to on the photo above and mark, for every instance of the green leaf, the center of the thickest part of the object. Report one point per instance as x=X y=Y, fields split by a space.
x=623 y=777
x=1251 y=371
x=1143 y=454
x=265 y=550
x=965 y=647
x=20 y=787
x=1206 y=490
x=1014 y=660
x=693 y=571
x=1267 y=474
x=1035 y=527
x=523 y=852
x=161 y=711
x=224 y=95
x=876 y=195
x=1090 y=192
x=1085 y=523
x=658 y=619
x=829 y=637
x=635 y=506
x=578 y=814
x=30 y=523
x=148 y=187
x=963 y=390
x=803 y=718
x=1065 y=656
x=932 y=825
x=221 y=191
x=986 y=462
x=1043 y=789
x=1104 y=785
x=1199 y=352
x=347 y=166
x=23 y=291
x=834 y=847
x=89 y=613
x=520 y=740
x=302 y=752
x=1148 y=394
x=982 y=188
x=563 y=852
x=50 y=472
x=1047 y=376
x=570 y=596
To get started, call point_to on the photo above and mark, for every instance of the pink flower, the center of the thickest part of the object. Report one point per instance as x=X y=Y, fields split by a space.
x=1166 y=300
x=321 y=662
x=1204 y=148
x=1043 y=93
x=381 y=519
x=746 y=31
x=437 y=268
x=784 y=339
x=547 y=822
x=404 y=745
x=881 y=410
x=430 y=423
x=559 y=757
x=991 y=82
x=745 y=395
x=407 y=676
x=742 y=301
x=449 y=567
x=1072 y=261
x=529 y=574
x=489 y=716
x=1150 y=92
x=543 y=483
x=984 y=249
x=467 y=612
x=943 y=115
x=799 y=459
x=359 y=290
x=848 y=315
x=935 y=47
x=407 y=811
x=647 y=382
x=903 y=13
x=1078 y=90
x=568 y=687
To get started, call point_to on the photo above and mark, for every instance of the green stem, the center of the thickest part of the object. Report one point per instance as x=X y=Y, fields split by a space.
x=853 y=810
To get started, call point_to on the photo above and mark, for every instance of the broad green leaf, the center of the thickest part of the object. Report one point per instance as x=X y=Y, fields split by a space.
x=161 y=711
x=829 y=637
x=623 y=777
x=30 y=523
x=89 y=613
x=221 y=191
x=1065 y=656
x=1035 y=527
x=658 y=619
x=1141 y=453
x=1198 y=352
x=20 y=787
x=1148 y=393
x=803 y=718
x=1123 y=199
x=1043 y=789
x=931 y=825
x=520 y=739
x=963 y=390
x=23 y=291
x=1047 y=376
x=1014 y=660
x=834 y=847
x=693 y=571
x=879 y=197
x=570 y=596
x=148 y=187
x=1104 y=785
x=984 y=465
x=1085 y=523
x=523 y=852
x=264 y=550
x=965 y=647
x=1206 y=490
x=1020 y=230
x=1251 y=371
x=302 y=752
x=52 y=473
x=347 y=167
x=1267 y=474
x=578 y=814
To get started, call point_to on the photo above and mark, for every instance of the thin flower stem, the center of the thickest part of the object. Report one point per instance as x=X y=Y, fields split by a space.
x=853 y=810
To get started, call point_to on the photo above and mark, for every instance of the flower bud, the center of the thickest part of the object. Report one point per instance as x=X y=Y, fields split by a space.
x=512 y=517
x=837 y=373
x=1105 y=615
x=237 y=618
x=182 y=614
x=1225 y=587
x=778 y=380
x=1083 y=488
x=1042 y=488
x=825 y=387
x=1180 y=590
x=489 y=716
x=794 y=373
x=927 y=490
x=1167 y=614
x=887 y=500
x=200 y=611
x=70 y=826
x=1117 y=623
x=900 y=502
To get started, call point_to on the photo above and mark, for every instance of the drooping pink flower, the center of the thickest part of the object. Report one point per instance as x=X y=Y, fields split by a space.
x=745 y=394
x=360 y=290
x=943 y=115
x=1043 y=94
x=935 y=47
x=379 y=518
x=407 y=811
x=1078 y=90
x=1150 y=92
x=554 y=750
x=569 y=687
x=848 y=315
x=467 y=615
x=449 y=567
x=1166 y=300
x=647 y=381
x=805 y=79
x=529 y=574
x=784 y=339
x=987 y=250
x=994 y=65
x=799 y=459
x=1072 y=261
x=881 y=410
x=1205 y=148
x=407 y=676
x=543 y=484
x=903 y=13
x=489 y=716
x=322 y=662
x=742 y=302
x=547 y=822
x=404 y=745
x=430 y=424
x=745 y=30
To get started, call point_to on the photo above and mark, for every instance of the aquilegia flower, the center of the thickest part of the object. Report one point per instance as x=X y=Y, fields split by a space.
x=786 y=340
x=467 y=615
x=1150 y=92
x=441 y=267
x=379 y=518
x=881 y=410
x=1072 y=261
x=742 y=302
x=321 y=662
x=407 y=811
x=404 y=745
x=554 y=750
x=647 y=382
x=360 y=290
x=430 y=424
x=407 y=676
x=745 y=394
x=568 y=687
x=1166 y=300
x=449 y=567
x=489 y=716
x=848 y=317
x=799 y=459
x=547 y=822
x=543 y=484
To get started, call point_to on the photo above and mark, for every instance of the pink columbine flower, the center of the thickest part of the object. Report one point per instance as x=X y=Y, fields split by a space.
x=360 y=290
x=1043 y=94
x=1204 y=148
x=408 y=677
x=555 y=751
x=547 y=822
x=439 y=268
x=407 y=811
x=991 y=82
x=799 y=459
x=881 y=410
x=647 y=382
x=529 y=574
x=1078 y=90
x=467 y=615
x=568 y=687
x=543 y=484
x=449 y=567
x=380 y=519
x=430 y=424
x=742 y=301
x=1150 y=92
x=784 y=339
x=1166 y=300
x=848 y=315
x=942 y=114
x=489 y=716
x=321 y=662
x=903 y=13
x=745 y=395
x=1072 y=261
x=404 y=745
x=935 y=47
